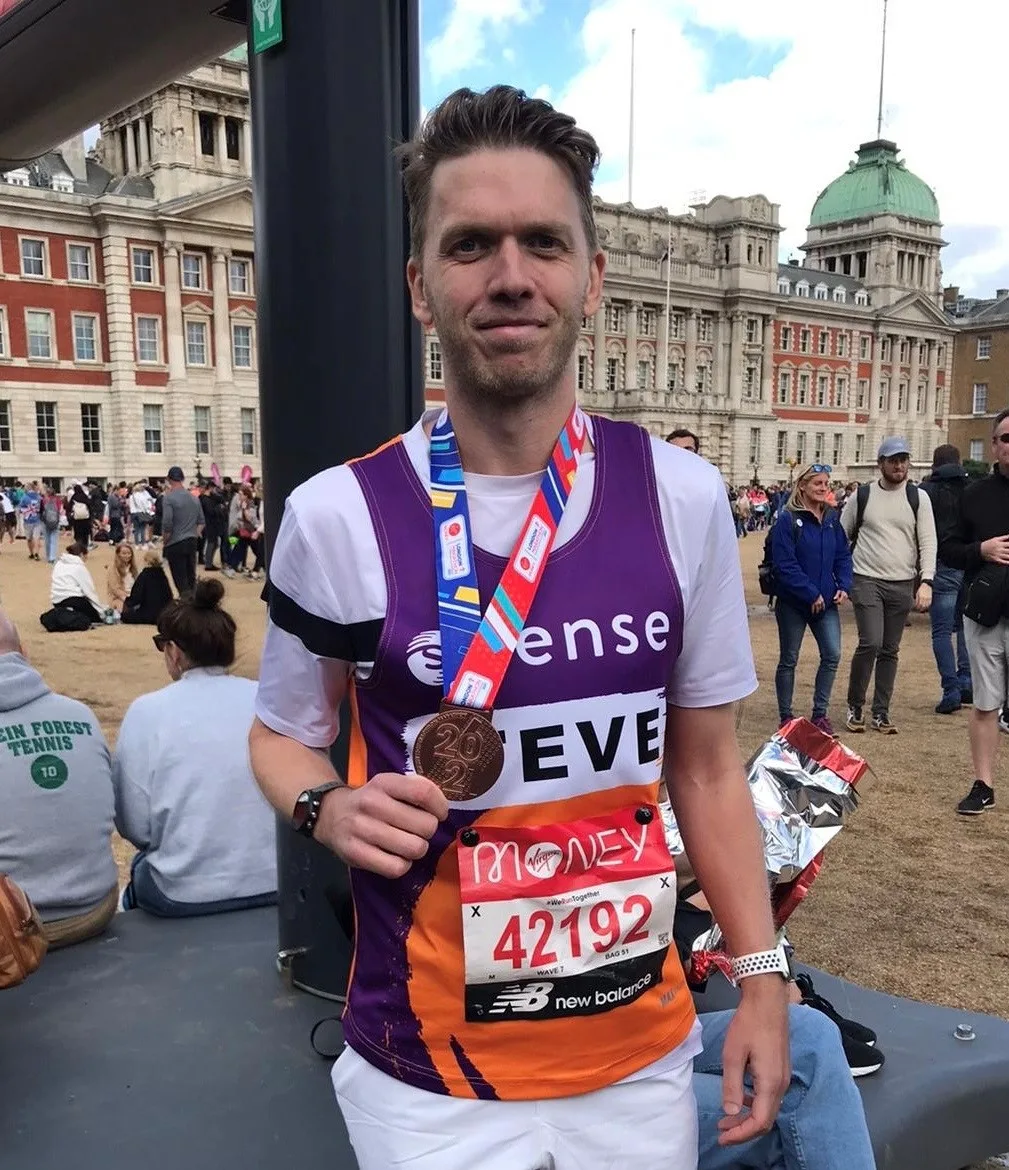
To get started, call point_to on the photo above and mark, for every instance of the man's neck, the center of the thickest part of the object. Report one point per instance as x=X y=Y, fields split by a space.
x=517 y=440
x=887 y=486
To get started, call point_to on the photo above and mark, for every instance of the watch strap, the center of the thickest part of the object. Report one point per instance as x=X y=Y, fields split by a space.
x=762 y=963
x=313 y=798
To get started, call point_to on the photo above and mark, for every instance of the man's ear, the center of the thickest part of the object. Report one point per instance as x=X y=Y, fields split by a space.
x=418 y=297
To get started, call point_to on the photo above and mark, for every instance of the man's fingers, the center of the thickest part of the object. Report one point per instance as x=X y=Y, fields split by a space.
x=391 y=840
x=745 y=1131
x=733 y=1090
x=416 y=790
x=360 y=855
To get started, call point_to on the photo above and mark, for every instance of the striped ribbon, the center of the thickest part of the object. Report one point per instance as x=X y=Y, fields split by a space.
x=476 y=650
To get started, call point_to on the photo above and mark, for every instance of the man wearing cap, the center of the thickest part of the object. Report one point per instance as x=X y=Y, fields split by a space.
x=892 y=533
x=181 y=526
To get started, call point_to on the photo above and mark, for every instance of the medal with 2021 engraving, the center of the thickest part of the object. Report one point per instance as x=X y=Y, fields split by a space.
x=459 y=748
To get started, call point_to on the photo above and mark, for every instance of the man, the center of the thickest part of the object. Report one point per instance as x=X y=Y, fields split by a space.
x=31 y=509
x=892 y=532
x=979 y=545
x=681 y=437
x=56 y=794
x=215 y=525
x=945 y=488
x=116 y=510
x=467 y=1045
x=181 y=525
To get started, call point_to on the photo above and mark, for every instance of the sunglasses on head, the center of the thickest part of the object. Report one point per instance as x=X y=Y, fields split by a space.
x=819 y=469
x=160 y=641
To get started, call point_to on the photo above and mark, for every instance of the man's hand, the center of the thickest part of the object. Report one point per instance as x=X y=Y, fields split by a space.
x=756 y=1042
x=384 y=826
x=840 y=597
x=996 y=550
x=818 y=605
x=923 y=598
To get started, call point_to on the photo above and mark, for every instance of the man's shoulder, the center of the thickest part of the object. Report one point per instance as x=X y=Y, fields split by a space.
x=65 y=708
x=689 y=477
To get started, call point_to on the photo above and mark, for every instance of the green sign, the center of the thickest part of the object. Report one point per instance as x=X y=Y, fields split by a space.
x=267 y=24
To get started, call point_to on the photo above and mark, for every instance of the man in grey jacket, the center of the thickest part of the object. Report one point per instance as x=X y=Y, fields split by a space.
x=181 y=527
x=57 y=800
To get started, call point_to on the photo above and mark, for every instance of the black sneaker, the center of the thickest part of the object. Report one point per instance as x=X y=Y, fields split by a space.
x=967 y=697
x=978 y=800
x=862 y=1058
x=947 y=705
x=848 y=1028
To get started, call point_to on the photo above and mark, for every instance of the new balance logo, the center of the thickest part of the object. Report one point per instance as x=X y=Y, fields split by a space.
x=522 y=997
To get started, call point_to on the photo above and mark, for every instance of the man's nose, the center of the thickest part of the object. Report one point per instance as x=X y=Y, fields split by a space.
x=510 y=274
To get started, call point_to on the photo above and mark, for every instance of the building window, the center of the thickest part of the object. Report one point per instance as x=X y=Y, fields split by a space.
x=884 y=352
x=824 y=343
x=754 y=446
x=646 y=322
x=863 y=347
x=248 y=430
x=85 y=338
x=45 y=425
x=207 y=133
x=33 y=258
x=840 y=296
x=782 y=447
x=859 y=448
x=238 y=277
x=800 y=447
x=3 y=332
x=201 y=429
x=980 y=398
x=803 y=389
x=612 y=374
x=644 y=375
x=976 y=450
x=838 y=449
x=196 y=343
x=704 y=328
x=616 y=318
x=5 y=426
x=820 y=292
x=192 y=270
x=241 y=347
x=922 y=353
x=901 y=397
x=676 y=327
x=861 y=297
x=584 y=372
x=143 y=265
x=983 y=348
x=840 y=391
x=786 y=338
x=784 y=387
x=152 y=428
x=805 y=340
x=842 y=345
x=750 y=382
x=818 y=447
x=903 y=352
x=784 y=287
x=79 y=261
x=701 y=381
x=884 y=394
x=40 y=334
x=863 y=394
x=941 y=355
x=148 y=339
x=920 y=405
x=802 y=288
x=91 y=428
x=232 y=137
x=752 y=330
x=435 y=368
x=673 y=379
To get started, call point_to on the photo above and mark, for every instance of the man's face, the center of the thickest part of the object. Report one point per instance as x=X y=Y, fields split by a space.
x=506 y=275
x=684 y=441
x=1000 y=446
x=895 y=468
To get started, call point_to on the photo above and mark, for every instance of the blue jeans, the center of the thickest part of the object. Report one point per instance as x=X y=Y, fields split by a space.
x=142 y=892
x=821 y=1123
x=954 y=668
x=52 y=545
x=826 y=627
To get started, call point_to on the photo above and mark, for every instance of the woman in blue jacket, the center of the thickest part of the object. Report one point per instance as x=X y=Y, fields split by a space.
x=812 y=576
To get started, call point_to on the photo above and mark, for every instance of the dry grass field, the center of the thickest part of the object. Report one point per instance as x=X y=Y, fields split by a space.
x=912 y=900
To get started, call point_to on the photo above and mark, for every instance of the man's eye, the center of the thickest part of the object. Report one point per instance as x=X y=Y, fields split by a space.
x=467 y=246
x=544 y=243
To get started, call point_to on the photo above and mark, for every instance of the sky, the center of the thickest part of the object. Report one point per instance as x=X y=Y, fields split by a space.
x=739 y=97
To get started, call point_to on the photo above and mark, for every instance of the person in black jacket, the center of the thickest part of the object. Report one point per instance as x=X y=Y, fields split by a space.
x=945 y=488
x=215 y=526
x=979 y=544
x=149 y=595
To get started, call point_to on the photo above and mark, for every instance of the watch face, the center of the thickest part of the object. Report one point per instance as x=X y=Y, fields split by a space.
x=302 y=812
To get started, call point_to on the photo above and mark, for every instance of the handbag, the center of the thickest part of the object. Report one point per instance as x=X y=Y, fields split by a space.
x=22 y=940
x=985 y=597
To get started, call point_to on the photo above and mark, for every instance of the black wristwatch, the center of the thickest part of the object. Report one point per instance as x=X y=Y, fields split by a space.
x=307 y=807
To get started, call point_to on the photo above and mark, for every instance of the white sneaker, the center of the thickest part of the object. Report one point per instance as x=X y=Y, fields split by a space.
x=229 y=572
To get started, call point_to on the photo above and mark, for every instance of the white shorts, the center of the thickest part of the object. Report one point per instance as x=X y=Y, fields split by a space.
x=988 y=651
x=648 y=1124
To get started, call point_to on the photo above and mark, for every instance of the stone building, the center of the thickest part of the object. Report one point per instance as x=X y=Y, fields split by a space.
x=980 y=387
x=774 y=364
x=127 y=293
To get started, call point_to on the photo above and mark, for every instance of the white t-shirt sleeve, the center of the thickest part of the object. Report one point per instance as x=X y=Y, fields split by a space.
x=301 y=685
x=715 y=665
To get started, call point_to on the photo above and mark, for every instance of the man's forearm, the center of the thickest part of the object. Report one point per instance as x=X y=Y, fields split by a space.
x=284 y=768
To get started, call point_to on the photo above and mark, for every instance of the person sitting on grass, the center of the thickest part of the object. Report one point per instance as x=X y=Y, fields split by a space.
x=56 y=795
x=73 y=591
x=185 y=795
x=150 y=594
x=121 y=576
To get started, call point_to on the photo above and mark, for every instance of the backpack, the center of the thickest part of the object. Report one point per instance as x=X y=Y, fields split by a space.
x=22 y=939
x=765 y=570
x=862 y=500
x=50 y=516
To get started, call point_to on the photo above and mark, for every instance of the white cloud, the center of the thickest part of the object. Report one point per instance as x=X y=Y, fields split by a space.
x=462 y=42
x=543 y=92
x=789 y=134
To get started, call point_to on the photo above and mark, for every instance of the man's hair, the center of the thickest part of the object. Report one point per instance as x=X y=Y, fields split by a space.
x=945 y=454
x=684 y=433
x=999 y=420
x=501 y=117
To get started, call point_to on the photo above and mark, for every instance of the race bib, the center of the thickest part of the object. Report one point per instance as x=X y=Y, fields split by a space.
x=565 y=920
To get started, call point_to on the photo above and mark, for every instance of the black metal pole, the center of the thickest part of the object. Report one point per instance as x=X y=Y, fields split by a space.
x=339 y=353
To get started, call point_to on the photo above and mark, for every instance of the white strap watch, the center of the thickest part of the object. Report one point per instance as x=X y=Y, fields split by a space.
x=776 y=962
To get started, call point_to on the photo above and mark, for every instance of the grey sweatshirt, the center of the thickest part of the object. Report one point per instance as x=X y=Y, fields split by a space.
x=56 y=799
x=181 y=516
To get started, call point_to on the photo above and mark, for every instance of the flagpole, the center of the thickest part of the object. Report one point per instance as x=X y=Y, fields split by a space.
x=882 y=67
x=630 y=131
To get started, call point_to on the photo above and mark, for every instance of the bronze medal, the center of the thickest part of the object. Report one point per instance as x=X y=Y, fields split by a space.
x=459 y=750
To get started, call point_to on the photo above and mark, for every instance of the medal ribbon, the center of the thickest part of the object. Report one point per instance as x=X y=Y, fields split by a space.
x=476 y=650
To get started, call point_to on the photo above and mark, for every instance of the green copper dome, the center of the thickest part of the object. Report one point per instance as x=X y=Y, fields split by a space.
x=876 y=183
